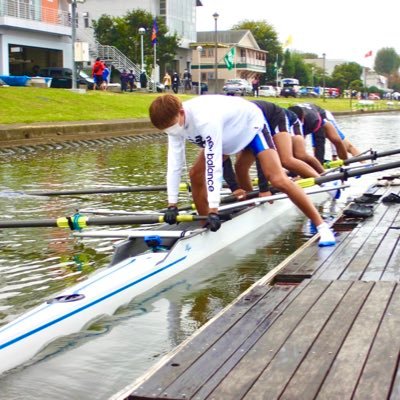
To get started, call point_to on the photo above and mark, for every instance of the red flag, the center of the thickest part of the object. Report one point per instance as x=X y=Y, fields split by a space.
x=369 y=54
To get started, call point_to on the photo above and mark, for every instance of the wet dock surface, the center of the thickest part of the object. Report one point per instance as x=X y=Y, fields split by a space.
x=324 y=327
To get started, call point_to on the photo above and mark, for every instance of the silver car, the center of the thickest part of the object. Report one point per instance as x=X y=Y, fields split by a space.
x=237 y=86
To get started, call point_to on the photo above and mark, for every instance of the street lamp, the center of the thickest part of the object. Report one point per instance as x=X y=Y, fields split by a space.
x=199 y=49
x=216 y=15
x=142 y=31
x=73 y=38
x=323 y=76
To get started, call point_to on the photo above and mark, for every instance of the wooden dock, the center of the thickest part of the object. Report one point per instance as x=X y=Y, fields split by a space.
x=325 y=324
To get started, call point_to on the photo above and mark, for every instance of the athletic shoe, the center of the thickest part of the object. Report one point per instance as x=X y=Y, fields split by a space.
x=334 y=193
x=391 y=198
x=326 y=236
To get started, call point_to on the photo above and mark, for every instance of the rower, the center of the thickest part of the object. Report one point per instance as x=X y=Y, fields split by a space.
x=236 y=126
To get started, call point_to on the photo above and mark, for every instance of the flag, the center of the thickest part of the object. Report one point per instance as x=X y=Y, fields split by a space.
x=154 y=32
x=230 y=58
x=288 y=41
x=368 y=54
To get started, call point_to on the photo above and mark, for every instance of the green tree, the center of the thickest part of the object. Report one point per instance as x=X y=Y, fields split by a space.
x=345 y=73
x=123 y=33
x=387 y=61
x=288 y=67
x=267 y=38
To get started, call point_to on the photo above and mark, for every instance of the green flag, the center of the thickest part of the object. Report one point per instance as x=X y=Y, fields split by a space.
x=229 y=58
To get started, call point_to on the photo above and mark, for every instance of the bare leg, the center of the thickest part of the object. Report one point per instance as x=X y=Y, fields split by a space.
x=244 y=161
x=199 y=189
x=283 y=143
x=333 y=137
x=300 y=152
x=272 y=169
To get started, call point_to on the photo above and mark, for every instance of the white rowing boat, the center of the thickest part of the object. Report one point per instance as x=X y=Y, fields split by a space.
x=136 y=267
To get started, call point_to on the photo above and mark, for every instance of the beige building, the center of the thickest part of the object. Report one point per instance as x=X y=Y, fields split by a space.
x=249 y=60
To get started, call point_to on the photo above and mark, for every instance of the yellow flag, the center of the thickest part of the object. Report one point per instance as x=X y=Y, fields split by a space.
x=288 y=41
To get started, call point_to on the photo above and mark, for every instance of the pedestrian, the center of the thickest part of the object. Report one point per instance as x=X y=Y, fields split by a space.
x=236 y=126
x=167 y=81
x=143 y=80
x=187 y=79
x=131 y=80
x=255 y=83
x=97 y=73
x=124 y=80
x=175 y=82
x=105 y=77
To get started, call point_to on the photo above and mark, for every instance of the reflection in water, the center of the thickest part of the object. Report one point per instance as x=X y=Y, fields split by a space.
x=37 y=263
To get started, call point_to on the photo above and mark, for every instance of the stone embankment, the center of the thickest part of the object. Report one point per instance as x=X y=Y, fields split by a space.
x=57 y=132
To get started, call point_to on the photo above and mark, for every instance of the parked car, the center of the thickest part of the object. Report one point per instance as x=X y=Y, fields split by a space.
x=267 y=91
x=204 y=87
x=62 y=77
x=307 y=91
x=374 y=96
x=237 y=86
x=288 y=92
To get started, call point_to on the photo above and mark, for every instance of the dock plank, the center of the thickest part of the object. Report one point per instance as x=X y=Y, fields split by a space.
x=334 y=267
x=238 y=382
x=162 y=382
x=377 y=266
x=343 y=376
x=383 y=356
x=279 y=371
x=392 y=270
x=309 y=376
x=236 y=340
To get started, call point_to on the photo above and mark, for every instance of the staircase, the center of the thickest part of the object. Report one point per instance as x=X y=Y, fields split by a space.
x=111 y=55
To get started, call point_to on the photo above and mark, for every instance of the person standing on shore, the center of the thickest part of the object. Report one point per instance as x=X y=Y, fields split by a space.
x=97 y=73
x=237 y=125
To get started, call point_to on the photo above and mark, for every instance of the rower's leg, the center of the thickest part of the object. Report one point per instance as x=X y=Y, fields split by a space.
x=273 y=170
x=300 y=152
x=333 y=136
x=283 y=143
x=244 y=161
x=199 y=189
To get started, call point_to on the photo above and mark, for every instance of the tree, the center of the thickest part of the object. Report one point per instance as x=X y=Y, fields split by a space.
x=345 y=73
x=123 y=33
x=267 y=38
x=387 y=63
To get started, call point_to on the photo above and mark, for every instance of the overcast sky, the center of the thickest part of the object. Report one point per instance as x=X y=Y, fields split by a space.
x=343 y=29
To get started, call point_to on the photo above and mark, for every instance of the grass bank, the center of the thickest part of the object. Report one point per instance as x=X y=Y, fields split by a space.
x=29 y=105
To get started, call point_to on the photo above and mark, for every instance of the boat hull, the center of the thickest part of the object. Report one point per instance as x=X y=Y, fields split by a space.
x=104 y=292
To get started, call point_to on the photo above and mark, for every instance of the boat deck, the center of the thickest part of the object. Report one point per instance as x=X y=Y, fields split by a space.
x=324 y=327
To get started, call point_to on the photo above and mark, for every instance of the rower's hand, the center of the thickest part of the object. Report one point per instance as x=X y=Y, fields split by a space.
x=240 y=194
x=171 y=214
x=213 y=222
x=266 y=194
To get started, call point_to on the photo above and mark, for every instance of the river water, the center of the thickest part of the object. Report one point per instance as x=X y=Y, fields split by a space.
x=37 y=263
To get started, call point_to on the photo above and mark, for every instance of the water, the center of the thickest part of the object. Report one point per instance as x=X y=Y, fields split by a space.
x=37 y=263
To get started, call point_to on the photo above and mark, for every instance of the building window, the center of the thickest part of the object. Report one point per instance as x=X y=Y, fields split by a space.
x=86 y=19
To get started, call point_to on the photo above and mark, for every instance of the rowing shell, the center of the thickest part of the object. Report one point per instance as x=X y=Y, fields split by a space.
x=130 y=275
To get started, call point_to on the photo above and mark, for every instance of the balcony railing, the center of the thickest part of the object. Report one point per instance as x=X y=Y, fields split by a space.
x=19 y=9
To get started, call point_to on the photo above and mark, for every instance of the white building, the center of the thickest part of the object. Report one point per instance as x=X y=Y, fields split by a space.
x=33 y=34
x=179 y=16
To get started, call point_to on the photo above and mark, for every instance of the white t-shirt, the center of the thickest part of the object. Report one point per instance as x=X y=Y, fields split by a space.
x=220 y=124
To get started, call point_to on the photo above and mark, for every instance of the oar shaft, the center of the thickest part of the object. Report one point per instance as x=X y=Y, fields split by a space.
x=78 y=221
x=356 y=172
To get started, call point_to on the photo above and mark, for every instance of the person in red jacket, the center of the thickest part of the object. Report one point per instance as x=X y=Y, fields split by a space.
x=97 y=72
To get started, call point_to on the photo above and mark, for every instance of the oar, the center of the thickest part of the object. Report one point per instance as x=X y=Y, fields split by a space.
x=77 y=221
x=373 y=155
x=183 y=187
x=344 y=175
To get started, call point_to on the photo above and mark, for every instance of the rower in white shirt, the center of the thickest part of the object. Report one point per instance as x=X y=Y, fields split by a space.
x=222 y=125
